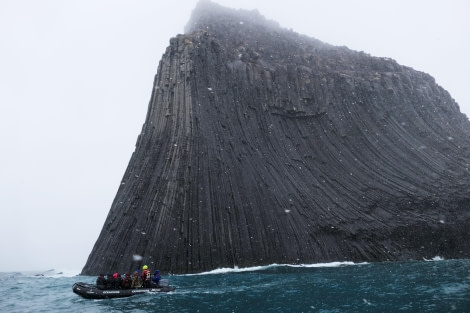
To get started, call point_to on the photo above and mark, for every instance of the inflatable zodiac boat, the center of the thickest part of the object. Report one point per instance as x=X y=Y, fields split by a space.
x=90 y=291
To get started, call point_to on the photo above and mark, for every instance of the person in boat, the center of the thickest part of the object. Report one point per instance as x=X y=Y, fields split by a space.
x=136 y=281
x=126 y=282
x=156 y=278
x=146 y=279
x=110 y=282
x=101 y=282
x=117 y=280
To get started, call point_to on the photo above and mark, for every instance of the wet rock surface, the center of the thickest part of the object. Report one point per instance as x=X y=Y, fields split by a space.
x=264 y=146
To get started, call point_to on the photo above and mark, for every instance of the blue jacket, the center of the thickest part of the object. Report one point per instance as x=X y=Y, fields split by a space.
x=156 y=278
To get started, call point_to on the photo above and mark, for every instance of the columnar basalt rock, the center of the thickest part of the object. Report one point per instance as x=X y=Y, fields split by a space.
x=264 y=146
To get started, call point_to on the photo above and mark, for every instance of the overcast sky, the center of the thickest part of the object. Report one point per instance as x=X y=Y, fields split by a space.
x=76 y=78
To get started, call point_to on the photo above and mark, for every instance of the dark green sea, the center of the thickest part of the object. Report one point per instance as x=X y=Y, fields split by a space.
x=427 y=286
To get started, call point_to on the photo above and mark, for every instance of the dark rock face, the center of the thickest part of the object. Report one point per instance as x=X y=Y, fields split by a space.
x=264 y=146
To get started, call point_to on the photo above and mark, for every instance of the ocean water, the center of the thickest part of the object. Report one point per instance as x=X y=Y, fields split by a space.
x=427 y=286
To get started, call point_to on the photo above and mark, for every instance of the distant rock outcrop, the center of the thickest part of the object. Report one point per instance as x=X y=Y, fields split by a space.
x=264 y=146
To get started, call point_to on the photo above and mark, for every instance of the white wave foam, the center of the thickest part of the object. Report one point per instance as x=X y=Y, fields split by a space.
x=236 y=269
x=51 y=273
x=331 y=264
x=436 y=258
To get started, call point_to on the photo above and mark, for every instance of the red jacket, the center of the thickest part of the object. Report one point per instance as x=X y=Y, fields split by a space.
x=146 y=275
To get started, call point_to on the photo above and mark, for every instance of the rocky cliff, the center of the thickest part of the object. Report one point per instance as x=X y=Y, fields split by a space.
x=262 y=146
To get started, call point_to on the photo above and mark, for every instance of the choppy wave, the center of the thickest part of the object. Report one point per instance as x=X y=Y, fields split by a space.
x=236 y=269
x=434 y=259
x=408 y=287
x=38 y=274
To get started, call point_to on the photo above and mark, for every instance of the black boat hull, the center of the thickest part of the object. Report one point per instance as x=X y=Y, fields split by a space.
x=90 y=291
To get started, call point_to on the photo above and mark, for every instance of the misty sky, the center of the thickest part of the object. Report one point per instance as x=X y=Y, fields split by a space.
x=76 y=78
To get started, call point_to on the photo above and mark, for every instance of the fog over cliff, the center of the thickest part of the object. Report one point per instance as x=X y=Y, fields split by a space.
x=262 y=145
